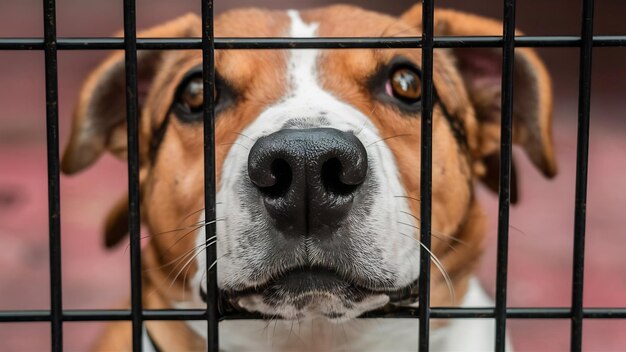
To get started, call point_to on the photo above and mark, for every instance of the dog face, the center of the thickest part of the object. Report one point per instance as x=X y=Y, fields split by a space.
x=317 y=155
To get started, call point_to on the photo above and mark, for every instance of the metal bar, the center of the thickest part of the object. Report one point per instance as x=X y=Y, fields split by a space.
x=54 y=202
x=208 y=80
x=310 y=43
x=132 y=116
x=426 y=173
x=582 y=155
x=506 y=133
x=466 y=313
x=399 y=313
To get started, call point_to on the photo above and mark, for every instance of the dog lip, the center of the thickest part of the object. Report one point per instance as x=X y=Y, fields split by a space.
x=404 y=295
x=301 y=280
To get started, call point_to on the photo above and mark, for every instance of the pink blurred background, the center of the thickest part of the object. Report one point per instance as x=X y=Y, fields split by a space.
x=541 y=234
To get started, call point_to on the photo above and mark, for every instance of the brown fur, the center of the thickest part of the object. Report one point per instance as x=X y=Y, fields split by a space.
x=172 y=184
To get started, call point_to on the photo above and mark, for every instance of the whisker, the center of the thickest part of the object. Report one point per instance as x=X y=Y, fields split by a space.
x=243 y=135
x=203 y=275
x=194 y=225
x=196 y=212
x=438 y=233
x=372 y=112
x=180 y=257
x=192 y=213
x=409 y=197
x=174 y=230
x=193 y=230
x=190 y=260
x=390 y=137
x=380 y=146
x=438 y=264
x=187 y=253
x=362 y=128
x=211 y=266
x=235 y=143
x=274 y=332
x=437 y=236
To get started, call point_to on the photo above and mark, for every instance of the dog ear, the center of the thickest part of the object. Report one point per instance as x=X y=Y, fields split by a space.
x=481 y=70
x=99 y=120
x=116 y=225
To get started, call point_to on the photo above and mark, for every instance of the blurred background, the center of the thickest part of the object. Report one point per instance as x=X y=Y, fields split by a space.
x=542 y=223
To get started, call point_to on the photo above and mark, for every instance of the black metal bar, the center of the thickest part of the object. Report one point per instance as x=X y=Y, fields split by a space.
x=54 y=201
x=132 y=116
x=506 y=133
x=310 y=43
x=582 y=155
x=610 y=313
x=426 y=173
x=473 y=313
x=208 y=79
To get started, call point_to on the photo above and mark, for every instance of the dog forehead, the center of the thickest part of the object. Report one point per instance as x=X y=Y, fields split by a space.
x=353 y=21
x=251 y=22
x=329 y=21
x=333 y=21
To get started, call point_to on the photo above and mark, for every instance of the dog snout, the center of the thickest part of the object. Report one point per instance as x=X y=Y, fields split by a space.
x=308 y=178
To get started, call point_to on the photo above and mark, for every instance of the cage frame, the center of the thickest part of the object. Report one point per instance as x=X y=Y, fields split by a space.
x=50 y=45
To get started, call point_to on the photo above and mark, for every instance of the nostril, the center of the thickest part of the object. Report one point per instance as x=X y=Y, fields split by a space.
x=283 y=175
x=332 y=171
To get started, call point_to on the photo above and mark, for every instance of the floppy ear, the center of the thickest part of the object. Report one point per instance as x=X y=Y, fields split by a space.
x=481 y=70
x=99 y=120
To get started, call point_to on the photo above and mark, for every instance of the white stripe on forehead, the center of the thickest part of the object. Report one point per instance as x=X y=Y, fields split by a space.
x=301 y=73
x=305 y=98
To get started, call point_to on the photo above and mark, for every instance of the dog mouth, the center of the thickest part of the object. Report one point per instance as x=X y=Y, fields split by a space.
x=302 y=285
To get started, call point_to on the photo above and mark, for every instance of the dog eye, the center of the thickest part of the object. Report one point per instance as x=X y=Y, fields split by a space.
x=192 y=96
x=189 y=99
x=405 y=85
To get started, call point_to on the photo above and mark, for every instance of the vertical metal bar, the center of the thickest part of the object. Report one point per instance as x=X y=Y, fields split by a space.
x=132 y=115
x=508 y=60
x=426 y=173
x=54 y=204
x=208 y=79
x=582 y=153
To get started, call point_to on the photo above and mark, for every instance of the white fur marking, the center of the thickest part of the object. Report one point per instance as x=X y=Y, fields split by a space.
x=302 y=73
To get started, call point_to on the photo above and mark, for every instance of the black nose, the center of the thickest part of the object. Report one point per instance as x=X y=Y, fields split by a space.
x=308 y=177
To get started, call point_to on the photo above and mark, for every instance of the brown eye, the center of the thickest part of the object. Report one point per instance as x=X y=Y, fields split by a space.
x=189 y=100
x=192 y=96
x=405 y=84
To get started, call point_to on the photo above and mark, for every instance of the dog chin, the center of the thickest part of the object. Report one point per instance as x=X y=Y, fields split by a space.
x=309 y=293
x=313 y=305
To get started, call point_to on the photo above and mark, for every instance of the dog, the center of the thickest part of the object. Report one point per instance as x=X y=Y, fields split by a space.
x=317 y=159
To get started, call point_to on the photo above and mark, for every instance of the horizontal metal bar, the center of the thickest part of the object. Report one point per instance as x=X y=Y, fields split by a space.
x=401 y=312
x=102 y=315
x=309 y=43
